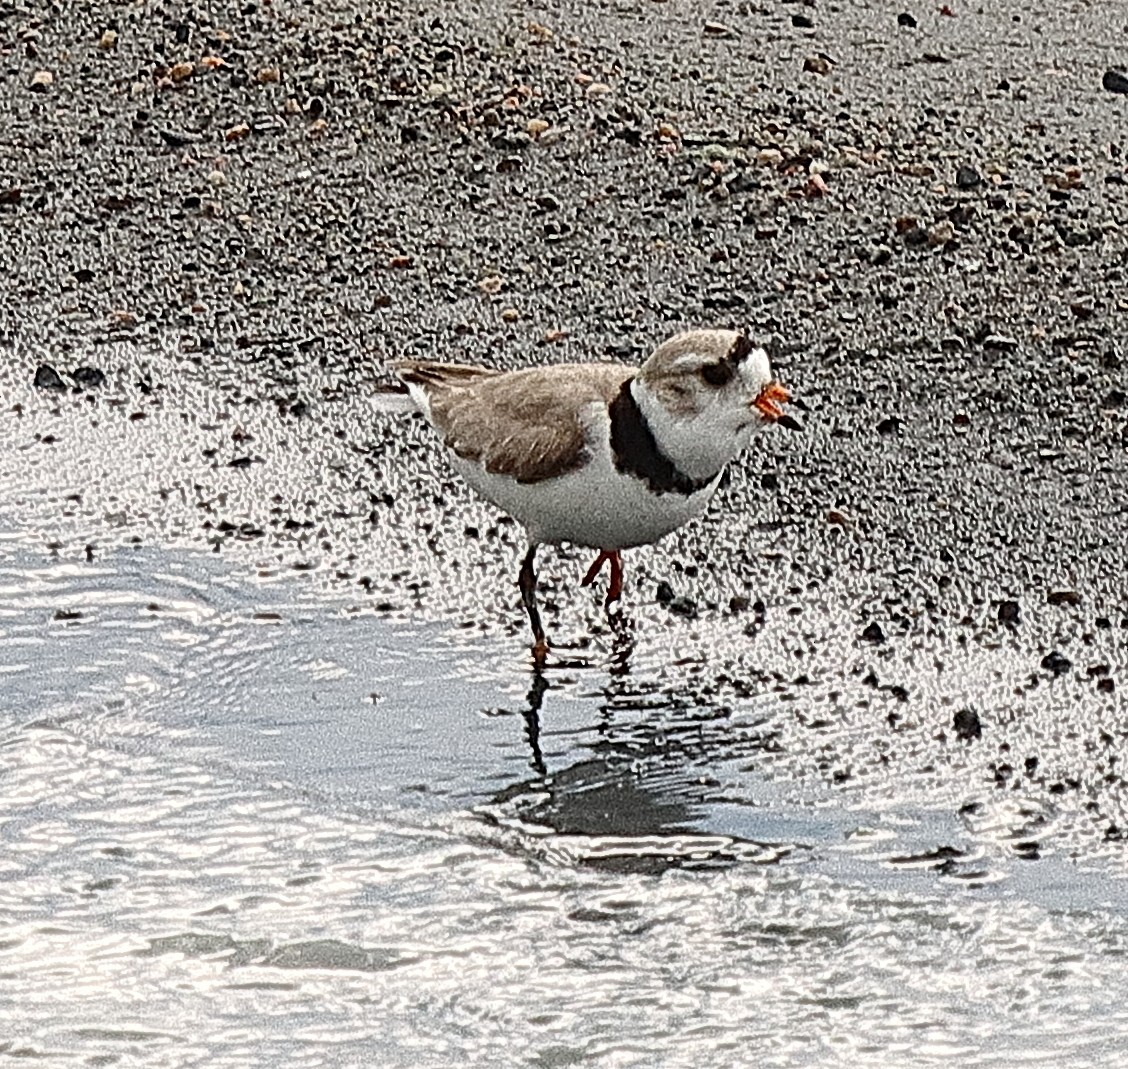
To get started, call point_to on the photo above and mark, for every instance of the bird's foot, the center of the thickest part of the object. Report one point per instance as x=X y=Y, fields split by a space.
x=615 y=586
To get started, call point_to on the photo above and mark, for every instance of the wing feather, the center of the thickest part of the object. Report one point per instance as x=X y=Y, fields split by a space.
x=526 y=424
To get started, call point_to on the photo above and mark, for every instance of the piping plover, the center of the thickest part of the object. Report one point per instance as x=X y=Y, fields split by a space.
x=601 y=455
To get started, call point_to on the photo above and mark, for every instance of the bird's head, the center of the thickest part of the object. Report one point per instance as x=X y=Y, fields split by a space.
x=719 y=376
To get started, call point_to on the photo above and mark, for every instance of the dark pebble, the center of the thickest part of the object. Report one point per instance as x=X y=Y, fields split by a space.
x=967 y=724
x=178 y=138
x=739 y=603
x=1000 y=342
x=873 y=633
x=665 y=593
x=84 y=275
x=889 y=425
x=1009 y=613
x=1115 y=82
x=803 y=22
x=90 y=377
x=683 y=606
x=968 y=178
x=47 y=378
x=905 y=19
x=1056 y=663
x=916 y=237
x=1064 y=597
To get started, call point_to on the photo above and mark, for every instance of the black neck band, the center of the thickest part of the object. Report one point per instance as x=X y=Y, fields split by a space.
x=636 y=452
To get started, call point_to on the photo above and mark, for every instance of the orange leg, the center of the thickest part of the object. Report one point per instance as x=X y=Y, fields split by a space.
x=615 y=586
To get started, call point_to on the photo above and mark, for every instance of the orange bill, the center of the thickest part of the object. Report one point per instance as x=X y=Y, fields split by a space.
x=771 y=397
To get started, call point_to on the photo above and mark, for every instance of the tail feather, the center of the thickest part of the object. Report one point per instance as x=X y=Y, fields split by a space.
x=430 y=373
x=393 y=399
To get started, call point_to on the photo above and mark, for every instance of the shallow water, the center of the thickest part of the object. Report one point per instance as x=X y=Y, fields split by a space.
x=249 y=823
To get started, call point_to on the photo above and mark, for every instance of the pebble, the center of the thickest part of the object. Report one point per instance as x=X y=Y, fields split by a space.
x=906 y=20
x=1009 y=613
x=178 y=138
x=1056 y=663
x=90 y=377
x=1064 y=597
x=683 y=606
x=41 y=81
x=180 y=72
x=108 y=40
x=237 y=133
x=719 y=29
x=941 y=234
x=818 y=64
x=47 y=378
x=873 y=633
x=1115 y=81
x=536 y=127
x=968 y=178
x=1001 y=343
x=967 y=724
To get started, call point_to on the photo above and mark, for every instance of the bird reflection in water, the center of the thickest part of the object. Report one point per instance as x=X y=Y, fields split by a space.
x=632 y=794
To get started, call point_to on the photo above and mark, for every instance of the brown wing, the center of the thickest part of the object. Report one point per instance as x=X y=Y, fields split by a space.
x=527 y=424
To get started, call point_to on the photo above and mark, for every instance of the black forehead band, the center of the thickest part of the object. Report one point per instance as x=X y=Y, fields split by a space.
x=740 y=348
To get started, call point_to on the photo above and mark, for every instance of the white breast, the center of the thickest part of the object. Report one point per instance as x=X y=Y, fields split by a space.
x=595 y=506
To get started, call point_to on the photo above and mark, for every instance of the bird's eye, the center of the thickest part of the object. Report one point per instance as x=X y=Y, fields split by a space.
x=717 y=374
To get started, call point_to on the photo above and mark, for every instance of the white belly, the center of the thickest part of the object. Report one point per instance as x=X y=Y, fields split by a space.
x=596 y=506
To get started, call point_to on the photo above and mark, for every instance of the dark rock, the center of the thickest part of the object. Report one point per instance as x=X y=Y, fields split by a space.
x=1115 y=82
x=739 y=603
x=84 y=275
x=664 y=594
x=1064 y=597
x=968 y=178
x=683 y=606
x=47 y=378
x=889 y=425
x=178 y=138
x=1009 y=613
x=1056 y=663
x=90 y=377
x=916 y=237
x=906 y=20
x=1000 y=342
x=873 y=633
x=803 y=22
x=967 y=724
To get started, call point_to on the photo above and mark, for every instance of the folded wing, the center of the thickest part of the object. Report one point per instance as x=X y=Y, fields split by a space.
x=532 y=425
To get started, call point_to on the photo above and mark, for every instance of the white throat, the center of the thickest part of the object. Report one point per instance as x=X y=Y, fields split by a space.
x=700 y=444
